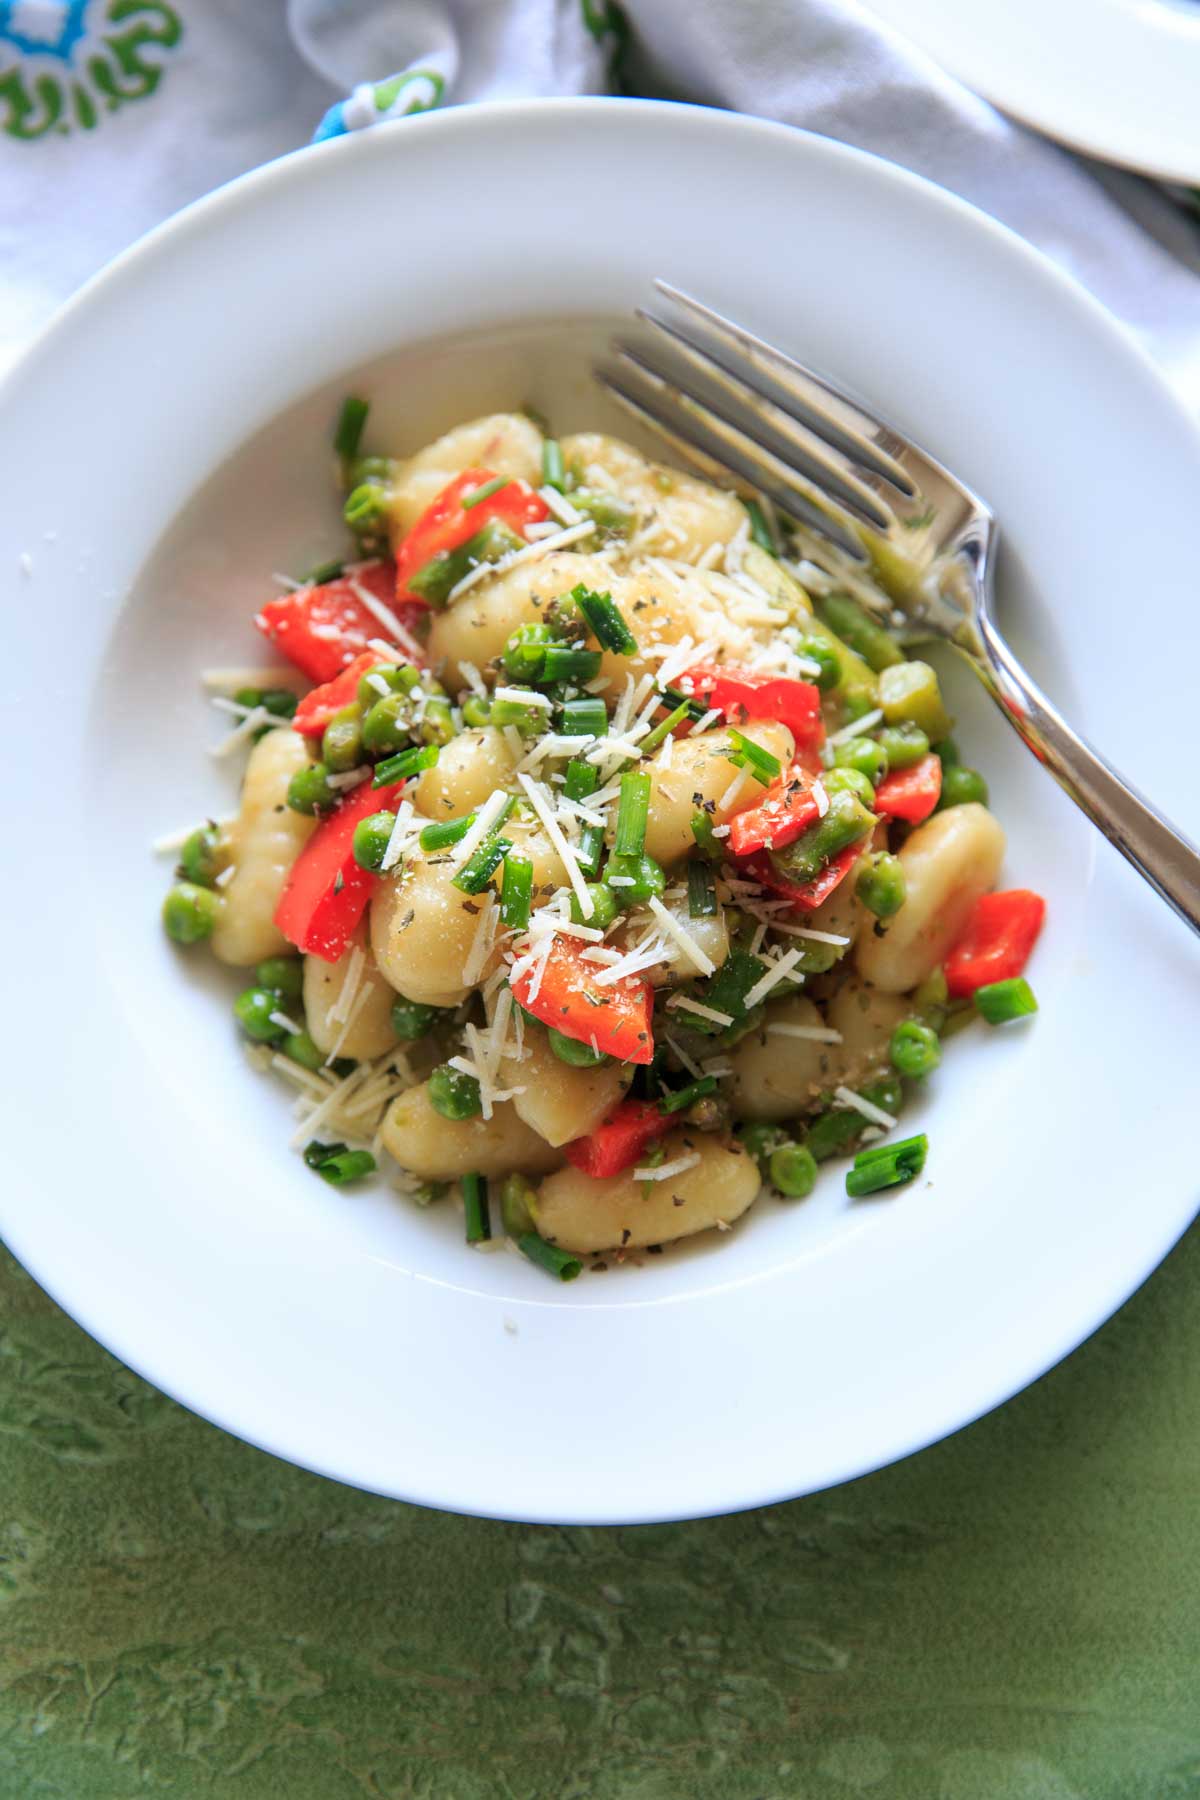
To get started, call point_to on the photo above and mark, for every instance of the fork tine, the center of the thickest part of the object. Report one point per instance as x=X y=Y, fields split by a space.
x=718 y=468
x=828 y=468
x=825 y=409
x=757 y=464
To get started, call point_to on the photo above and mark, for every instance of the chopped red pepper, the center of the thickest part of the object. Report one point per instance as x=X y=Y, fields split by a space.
x=997 y=942
x=619 y=1141
x=805 y=896
x=911 y=794
x=322 y=629
x=321 y=703
x=327 y=891
x=743 y=694
x=788 y=809
x=446 y=522
x=615 y=1017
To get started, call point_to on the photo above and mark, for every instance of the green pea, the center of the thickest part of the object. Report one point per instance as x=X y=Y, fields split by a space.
x=575 y=1054
x=905 y=744
x=203 y=856
x=829 y=663
x=863 y=754
x=476 y=711
x=309 y=790
x=300 y=1047
x=411 y=1020
x=851 y=781
x=453 y=1094
x=640 y=879
x=285 y=974
x=792 y=1171
x=960 y=786
x=398 y=678
x=190 y=912
x=947 y=752
x=605 y=907
x=437 y=721
x=914 y=1050
x=252 y=1010
x=387 y=726
x=371 y=839
x=342 y=742
x=518 y=1200
x=881 y=885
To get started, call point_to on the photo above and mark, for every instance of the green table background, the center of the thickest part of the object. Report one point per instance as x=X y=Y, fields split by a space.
x=1013 y=1613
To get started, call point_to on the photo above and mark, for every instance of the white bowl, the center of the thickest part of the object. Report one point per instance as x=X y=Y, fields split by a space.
x=165 y=448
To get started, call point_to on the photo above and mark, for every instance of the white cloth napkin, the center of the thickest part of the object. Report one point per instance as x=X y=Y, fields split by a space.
x=212 y=87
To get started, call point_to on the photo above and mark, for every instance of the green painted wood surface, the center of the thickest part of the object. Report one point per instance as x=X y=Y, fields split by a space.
x=1013 y=1614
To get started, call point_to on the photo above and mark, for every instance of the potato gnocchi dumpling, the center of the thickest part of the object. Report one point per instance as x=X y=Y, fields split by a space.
x=603 y=876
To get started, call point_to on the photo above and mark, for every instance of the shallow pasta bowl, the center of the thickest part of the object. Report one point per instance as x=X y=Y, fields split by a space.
x=165 y=448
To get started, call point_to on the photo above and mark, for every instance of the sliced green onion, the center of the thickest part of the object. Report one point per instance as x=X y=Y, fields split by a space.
x=762 y=765
x=475 y=1203
x=1001 y=1001
x=696 y=708
x=529 y=720
x=445 y=832
x=478 y=495
x=366 y=509
x=563 y=662
x=702 y=831
x=323 y=572
x=315 y=1152
x=581 y=779
x=683 y=1097
x=553 y=473
x=584 y=718
x=886 y=1165
x=516 y=893
x=437 y=578
x=474 y=876
x=348 y=1165
x=409 y=762
x=702 y=891
x=760 y=531
x=633 y=810
x=654 y=738
x=351 y=420
x=606 y=620
x=549 y=1256
x=726 y=992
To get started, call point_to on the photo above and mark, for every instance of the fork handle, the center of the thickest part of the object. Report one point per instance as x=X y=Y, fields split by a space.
x=1157 y=851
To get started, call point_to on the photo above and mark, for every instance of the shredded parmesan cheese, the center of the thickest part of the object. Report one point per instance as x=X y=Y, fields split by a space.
x=773 y=976
x=848 y=1098
x=698 y=958
x=668 y=1170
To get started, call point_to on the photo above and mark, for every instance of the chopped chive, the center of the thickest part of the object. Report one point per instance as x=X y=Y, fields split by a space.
x=445 y=832
x=485 y=492
x=347 y=1165
x=707 y=841
x=563 y=662
x=633 y=810
x=581 y=779
x=475 y=874
x=683 y=1097
x=475 y=1204
x=760 y=531
x=606 y=620
x=549 y=1256
x=886 y=1165
x=584 y=718
x=726 y=992
x=435 y=580
x=409 y=762
x=1000 y=1001
x=696 y=708
x=553 y=472
x=654 y=738
x=516 y=893
x=323 y=572
x=350 y=424
x=530 y=720
x=763 y=766
x=315 y=1153
x=702 y=891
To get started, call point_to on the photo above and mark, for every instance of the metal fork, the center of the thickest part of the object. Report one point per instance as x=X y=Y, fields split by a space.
x=871 y=507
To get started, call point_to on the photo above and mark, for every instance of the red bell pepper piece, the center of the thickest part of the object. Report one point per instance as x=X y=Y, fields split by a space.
x=911 y=794
x=446 y=522
x=616 y=1016
x=789 y=809
x=320 y=704
x=805 y=896
x=743 y=694
x=619 y=1141
x=997 y=942
x=327 y=891
x=322 y=629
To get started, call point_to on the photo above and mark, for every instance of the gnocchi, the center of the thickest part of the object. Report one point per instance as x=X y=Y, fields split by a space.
x=263 y=844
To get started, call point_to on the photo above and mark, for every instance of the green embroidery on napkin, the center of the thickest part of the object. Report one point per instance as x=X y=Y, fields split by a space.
x=84 y=74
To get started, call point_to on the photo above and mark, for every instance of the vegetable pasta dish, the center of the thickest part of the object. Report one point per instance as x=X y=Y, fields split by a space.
x=599 y=857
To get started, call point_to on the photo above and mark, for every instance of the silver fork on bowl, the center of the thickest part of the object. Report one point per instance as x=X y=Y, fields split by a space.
x=741 y=407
